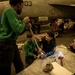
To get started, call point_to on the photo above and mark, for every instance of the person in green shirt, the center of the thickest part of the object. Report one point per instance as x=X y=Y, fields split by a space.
x=30 y=49
x=11 y=28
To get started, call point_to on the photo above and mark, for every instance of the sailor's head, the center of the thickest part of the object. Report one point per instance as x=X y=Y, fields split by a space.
x=17 y=5
x=49 y=35
x=30 y=36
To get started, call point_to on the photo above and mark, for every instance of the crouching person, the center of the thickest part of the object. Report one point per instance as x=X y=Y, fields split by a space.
x=30 y=50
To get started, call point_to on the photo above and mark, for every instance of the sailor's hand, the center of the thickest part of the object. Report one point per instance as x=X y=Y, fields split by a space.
x=43 y=57
x=26 y=19
x=44 y=52
x=29 y=25
x=40 y=50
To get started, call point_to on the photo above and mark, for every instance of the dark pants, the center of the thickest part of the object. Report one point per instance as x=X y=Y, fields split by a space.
x=9 y=54
x=30 y=59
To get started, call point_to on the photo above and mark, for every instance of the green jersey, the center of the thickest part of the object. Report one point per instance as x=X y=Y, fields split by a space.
x=29 y=48
x=10 y=25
